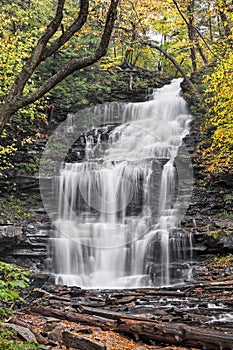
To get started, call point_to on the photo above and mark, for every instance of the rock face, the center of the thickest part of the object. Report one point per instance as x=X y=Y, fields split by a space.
x=210 y=213
x=93 y=137
x=10 y=236
x=26 y=246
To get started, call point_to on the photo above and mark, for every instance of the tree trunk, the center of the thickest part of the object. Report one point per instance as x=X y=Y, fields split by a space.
x=192 y=34
x=225 y=20
x=96 y=321
x=7 y=109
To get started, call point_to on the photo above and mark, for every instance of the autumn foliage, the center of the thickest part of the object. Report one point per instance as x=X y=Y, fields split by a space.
x=181 y=36
x=218 y=157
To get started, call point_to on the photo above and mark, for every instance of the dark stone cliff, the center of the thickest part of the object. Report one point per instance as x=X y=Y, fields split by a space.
x=210 y=212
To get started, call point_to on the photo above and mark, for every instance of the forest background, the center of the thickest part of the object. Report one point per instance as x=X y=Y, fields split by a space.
x=68 y=54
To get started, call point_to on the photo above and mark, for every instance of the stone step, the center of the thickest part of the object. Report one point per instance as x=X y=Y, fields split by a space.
x=37 y=245
x=30 y=253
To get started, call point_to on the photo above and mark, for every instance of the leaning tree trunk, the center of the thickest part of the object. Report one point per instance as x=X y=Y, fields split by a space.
x=175 y=63
x=7 y=109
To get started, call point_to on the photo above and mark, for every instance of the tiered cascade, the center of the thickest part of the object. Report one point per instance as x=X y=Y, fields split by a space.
x=119 y=209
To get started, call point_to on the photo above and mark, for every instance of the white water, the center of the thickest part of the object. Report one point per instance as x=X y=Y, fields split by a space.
x=118 y=216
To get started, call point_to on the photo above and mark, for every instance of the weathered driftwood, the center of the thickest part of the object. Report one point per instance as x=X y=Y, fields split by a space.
x=210 y=285
x=172 y=319
x=39 y=338
x=177 y=334
x=222 y=283
x=141 y=327
x=114 y=315
x=101 y=322
x=48 y=295
x=24 y=332
x=72 y=340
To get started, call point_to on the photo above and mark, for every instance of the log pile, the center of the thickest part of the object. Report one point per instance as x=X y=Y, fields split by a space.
x=197 y=316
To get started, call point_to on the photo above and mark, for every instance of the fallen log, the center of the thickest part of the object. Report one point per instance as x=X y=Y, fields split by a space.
x=127 y=299
x=210 y=285
x=222 y=283
x=156 y=291
x=96 y=321
x=177 y=334
x=219 y=287
x=48 y=295
x=114 y=315
x=72 y=340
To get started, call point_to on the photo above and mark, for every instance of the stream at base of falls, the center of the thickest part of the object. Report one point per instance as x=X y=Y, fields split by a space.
x=119 y=208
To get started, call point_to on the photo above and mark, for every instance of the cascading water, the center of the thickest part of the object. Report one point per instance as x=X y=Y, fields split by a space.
x=119 y=208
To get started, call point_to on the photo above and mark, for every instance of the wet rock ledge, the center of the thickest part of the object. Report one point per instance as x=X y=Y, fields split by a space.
x=26 y=245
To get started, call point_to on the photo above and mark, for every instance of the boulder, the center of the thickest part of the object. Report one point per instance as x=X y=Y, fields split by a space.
x=10 y=236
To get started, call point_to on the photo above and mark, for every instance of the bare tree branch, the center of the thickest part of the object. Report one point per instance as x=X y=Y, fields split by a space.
x=76 y=64
x=69 y=32
x=35 y=57
x=15 y=100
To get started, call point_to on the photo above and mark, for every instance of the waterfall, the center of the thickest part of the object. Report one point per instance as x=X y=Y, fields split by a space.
x=119 y=208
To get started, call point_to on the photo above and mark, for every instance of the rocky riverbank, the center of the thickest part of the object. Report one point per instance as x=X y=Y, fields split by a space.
x=210 y=212
x=197 y=315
